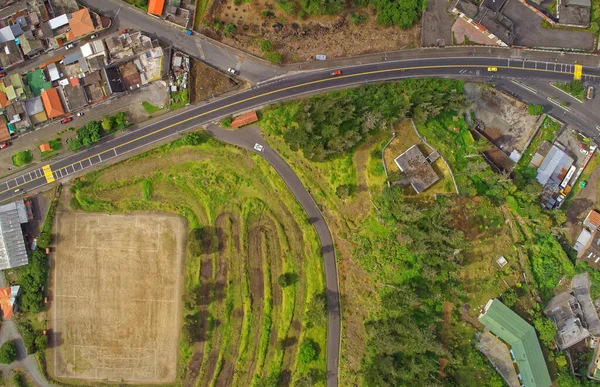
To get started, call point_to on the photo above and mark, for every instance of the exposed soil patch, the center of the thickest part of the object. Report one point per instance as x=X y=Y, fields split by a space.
x=207 y=82
x=300 y=40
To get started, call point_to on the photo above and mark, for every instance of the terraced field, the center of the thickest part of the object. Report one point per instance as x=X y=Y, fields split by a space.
x=253 y=274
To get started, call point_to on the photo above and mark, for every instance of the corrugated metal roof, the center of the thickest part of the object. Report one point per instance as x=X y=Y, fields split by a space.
x=555 y=161
x=6 y=34
x=507 y=325
x=18 y=205
x=12 y=245
x=582 y=240
x=58 y=21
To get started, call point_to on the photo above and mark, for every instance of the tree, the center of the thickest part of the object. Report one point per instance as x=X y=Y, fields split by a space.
x=266 y=46
x=535 y=110
x=344 y=190
x=107 y=123
x=547 y=330
x=287 y=279
x=41 y=342
x=120 y=120
x=309 y=351
x=75 y=144
x=17 y=379
x=22 y=158
x=229 y=29
x=8 y=352
x=193 y=139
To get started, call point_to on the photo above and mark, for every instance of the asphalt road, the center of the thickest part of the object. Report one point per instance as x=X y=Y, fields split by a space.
x=218 y=55
x=289 y=88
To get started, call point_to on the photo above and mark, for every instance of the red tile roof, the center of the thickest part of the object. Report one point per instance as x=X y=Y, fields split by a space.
x=4 y=133
x=52 y=103
x=80 y=23
x=74 y=81
x=155 y=7
x=45 y=147
x=593 y=218
x=4 y=102
x=5 y=302
x=244 y=119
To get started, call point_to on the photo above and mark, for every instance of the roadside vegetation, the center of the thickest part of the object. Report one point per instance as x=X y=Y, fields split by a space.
x=253 y=309
x=21 y=158
x=574 y=88
x=416 y=269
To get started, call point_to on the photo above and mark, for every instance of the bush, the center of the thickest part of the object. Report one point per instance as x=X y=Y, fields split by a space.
x=274 y=57
x=41 y=342
x=357 y=18
x=8 y=352
x=194 y=139
x=107 y=123
x=90 y=133
x=22 y=158
x=229 y=29
x=287 y=279
x=266 y=46
x=120 y=120
x=226 y=122
x=345 y=190
x=17 y=379
x=75 y=144
x=309 y=351
x=535 y=110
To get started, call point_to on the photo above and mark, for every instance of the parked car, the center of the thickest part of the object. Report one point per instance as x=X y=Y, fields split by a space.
x=590 y=92
x=69 y=46
x=259 y=147
x=94 y=36
x=492 y=69
x=66 y=119
x=188 y=32
x=584 y=151
x=80 y=114
x=4 y=144
x=336 y=73
x=233 y=71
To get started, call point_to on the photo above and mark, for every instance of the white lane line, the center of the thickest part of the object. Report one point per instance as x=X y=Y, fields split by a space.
x=552 y=100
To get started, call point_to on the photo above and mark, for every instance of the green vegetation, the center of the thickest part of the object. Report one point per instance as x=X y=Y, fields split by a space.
x=55 y=146
x=244 y=305
x=141 y=4
x=423 y=259
x=309 y=351
x=546 y=331
x=149 y=108
x=44 y=239
x=17 y=379
x=201 y=7
x=328 y=125
x=107 y=123
x=8 y=352
x=226 y=122
x=32 y=278
x=229 y=29
x=574 y=88
x=274 y=57
x=89 y=134
x=266 y=46
x=180 y=99
x=535 y=110
x=22 y=158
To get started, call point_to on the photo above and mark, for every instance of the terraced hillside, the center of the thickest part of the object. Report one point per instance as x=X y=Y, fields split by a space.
x=254 y=310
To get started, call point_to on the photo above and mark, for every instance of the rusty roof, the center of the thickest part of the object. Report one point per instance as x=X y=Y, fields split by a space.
x=244 y=119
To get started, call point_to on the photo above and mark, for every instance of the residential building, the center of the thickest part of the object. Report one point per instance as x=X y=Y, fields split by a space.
x=566 y=312
x=521 y=337
x=592 y=220
x=81 y=24
x=8 y=301
x=52 y=103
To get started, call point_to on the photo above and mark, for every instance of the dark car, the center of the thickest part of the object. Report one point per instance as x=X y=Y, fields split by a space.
x=66 y=119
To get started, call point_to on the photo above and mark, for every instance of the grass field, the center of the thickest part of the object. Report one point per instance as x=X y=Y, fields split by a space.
x=242 y=325
x=116 y=296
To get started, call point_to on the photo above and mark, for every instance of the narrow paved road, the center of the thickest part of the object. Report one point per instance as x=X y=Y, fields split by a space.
x=246 y=138
x=217 y=55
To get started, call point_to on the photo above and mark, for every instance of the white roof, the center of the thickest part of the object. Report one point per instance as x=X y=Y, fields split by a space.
x=53 y=72
x=87 y=50
x=58 y=21
x=582 y=240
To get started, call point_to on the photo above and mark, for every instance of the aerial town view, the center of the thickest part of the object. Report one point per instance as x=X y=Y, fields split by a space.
x=300 y=193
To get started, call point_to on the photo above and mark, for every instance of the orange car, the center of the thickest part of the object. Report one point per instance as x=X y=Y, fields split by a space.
x=335 y=73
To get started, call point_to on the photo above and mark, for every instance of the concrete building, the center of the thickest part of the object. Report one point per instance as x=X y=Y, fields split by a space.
x=566 y=312
x=417 y=168
x=13 y=252
x=574 y=13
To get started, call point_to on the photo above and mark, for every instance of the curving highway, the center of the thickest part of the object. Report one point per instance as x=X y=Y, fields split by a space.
x=304 y=83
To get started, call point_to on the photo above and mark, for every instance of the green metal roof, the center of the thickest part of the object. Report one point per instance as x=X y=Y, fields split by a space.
x=515 y=331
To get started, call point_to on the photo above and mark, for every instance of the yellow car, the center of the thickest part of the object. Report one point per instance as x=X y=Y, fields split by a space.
x=493 y=69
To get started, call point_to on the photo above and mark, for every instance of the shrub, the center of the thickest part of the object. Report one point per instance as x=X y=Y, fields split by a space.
x=229 y=29
x=266 y=46
x=75 y=144
x=309 y=351
x=274 y=57
x=344 y=190
x=120 y=120
x=535 y=110
x=226 y=122
x=8 y=352
x=107 y=123
x=22 y=158
x=193 y=139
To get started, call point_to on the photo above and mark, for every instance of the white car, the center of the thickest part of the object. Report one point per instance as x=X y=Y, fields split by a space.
x=233 y=71
x=259 y=147
x=80 y=114
x=70 y=46
x=584 y=151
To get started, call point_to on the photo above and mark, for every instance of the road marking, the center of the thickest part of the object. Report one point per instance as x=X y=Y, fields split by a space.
x=552 y=100
x=48 y=173
x=578 y=71
x=315 y=82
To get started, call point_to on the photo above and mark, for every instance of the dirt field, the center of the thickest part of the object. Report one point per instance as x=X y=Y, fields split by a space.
x=206 y=82
x=300 y=40
x=505 y=120
x=117 y=290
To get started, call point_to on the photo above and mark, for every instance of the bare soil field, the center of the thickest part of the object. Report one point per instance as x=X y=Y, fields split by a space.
x=207 y=82
x=505 y=120
x=117 y=292
x=300 y=40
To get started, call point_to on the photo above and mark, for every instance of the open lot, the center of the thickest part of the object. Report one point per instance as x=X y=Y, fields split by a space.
x=116 y=294
x=437 y=24
x=529 y=31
